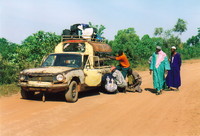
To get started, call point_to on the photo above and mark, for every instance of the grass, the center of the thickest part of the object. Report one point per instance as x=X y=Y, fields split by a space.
x=192 y=59
x=142 y=67
x=8 y=89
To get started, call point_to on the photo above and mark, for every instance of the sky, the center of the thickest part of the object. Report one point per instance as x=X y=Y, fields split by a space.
x=21 y=18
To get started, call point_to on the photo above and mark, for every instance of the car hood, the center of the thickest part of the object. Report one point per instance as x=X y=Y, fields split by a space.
x=47 y=70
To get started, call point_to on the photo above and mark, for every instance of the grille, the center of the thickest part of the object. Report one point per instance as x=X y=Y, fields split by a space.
x=39 y=78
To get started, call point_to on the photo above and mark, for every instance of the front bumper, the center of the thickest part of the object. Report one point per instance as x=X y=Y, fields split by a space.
x=43 y=86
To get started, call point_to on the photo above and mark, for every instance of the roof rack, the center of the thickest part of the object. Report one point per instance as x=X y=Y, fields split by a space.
x=80 y=37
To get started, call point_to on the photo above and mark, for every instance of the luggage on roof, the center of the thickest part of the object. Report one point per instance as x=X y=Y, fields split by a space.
x=78 y=31
x=74 y=28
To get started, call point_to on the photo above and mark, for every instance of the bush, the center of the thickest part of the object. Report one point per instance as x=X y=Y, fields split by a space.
x=14 y=57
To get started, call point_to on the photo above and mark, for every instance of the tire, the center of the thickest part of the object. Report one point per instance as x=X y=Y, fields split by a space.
x=27 y=94
x=71 y=94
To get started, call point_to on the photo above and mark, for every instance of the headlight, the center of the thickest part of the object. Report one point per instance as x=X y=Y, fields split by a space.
x=60 y=77
x=22 y=77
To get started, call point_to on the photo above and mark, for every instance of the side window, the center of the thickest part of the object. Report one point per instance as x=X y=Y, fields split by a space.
x=96 y=62
x=74 y=47
x=92 y=61
x=103 y=59
x=49 y=61
x=105 y=62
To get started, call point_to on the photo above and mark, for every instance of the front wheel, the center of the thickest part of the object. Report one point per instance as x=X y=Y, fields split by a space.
x=71 y=94
x=27 y=94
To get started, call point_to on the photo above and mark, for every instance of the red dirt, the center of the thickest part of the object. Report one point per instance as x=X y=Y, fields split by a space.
x=98 y=114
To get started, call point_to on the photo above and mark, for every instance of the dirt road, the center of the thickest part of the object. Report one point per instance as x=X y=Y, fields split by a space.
x=98 y=114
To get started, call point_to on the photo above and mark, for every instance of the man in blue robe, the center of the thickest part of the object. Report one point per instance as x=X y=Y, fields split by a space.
x=173 y=79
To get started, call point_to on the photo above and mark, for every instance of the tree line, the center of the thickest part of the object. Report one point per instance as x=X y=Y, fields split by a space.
x=139 y=49
x=16 y=57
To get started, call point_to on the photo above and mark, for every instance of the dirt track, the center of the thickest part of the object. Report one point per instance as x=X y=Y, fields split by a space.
x=98 y=114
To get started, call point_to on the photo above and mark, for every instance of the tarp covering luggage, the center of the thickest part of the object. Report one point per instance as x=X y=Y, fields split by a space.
x=100 y=47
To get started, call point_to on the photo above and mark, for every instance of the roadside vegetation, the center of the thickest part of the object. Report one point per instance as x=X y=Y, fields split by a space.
x=9 y=89
x=16 y=57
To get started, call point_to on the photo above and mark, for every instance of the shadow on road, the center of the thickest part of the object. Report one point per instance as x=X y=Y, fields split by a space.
x=60 y=97
x=89 y=93
x=152 y=90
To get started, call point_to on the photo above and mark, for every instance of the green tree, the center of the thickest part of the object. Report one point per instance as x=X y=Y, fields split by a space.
x=158 y=31
x=126 y=40
x=8 y=72
x=137 y=50
x=36 y=46
x=8 y=50
x=170 y=39
x=180 y=27
x=14 y=57
x=194 y=40
x=192 y=47
x=8 y=57
x=100 y=28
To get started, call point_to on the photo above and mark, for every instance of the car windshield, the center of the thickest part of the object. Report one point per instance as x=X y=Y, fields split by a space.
x=66 y=60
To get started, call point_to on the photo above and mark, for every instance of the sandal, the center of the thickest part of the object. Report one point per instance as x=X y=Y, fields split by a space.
x=159 y=92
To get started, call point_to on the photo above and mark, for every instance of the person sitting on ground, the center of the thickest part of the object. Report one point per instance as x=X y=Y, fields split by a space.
x=134 y=81
x=119 y=79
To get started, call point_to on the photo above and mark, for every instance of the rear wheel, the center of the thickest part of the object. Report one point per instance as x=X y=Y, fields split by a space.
x=27 y=94
x=72 y=94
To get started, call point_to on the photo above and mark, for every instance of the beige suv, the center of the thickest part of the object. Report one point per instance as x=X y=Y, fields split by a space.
x=75 y=66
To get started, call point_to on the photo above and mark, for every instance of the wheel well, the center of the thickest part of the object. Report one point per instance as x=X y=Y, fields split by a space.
x=78 y=82
x=76 y=79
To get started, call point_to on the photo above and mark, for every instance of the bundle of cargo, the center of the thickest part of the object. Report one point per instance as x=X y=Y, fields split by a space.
x=81 y=31
x=66 y=33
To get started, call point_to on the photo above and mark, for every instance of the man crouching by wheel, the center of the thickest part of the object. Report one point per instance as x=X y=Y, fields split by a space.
x=119 y=79
x=134 y=81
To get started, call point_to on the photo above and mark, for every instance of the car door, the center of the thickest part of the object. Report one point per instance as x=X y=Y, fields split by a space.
x=93 y=72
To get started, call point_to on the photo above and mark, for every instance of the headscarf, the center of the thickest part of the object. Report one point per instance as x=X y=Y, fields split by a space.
x=161 y=57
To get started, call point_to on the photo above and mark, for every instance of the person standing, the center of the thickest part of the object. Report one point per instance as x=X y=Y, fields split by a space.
x=173 y=78
x=123 y=63
x=159 y=64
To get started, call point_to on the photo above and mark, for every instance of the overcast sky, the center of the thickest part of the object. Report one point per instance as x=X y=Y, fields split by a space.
x=21 y=18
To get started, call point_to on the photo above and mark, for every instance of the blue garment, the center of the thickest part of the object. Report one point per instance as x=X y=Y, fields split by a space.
x=173 y=78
